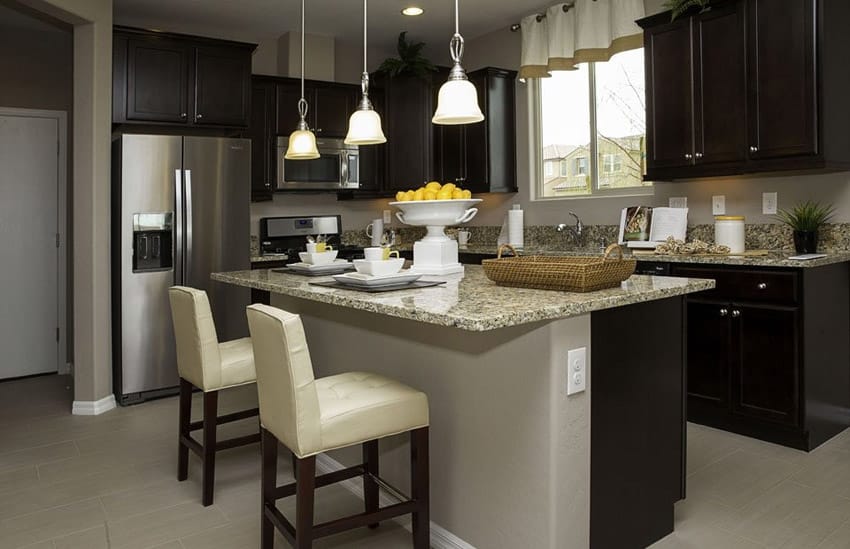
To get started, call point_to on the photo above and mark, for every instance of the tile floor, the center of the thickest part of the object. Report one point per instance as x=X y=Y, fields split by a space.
x=107 y=482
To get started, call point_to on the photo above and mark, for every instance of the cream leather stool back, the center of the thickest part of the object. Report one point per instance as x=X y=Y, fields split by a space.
x=198 y=355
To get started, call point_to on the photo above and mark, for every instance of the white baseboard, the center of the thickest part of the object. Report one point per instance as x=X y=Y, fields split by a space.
x=93 y=407
x=440 y=537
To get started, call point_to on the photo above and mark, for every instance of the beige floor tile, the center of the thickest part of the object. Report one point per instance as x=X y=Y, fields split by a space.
x=738 y=478
x=703 y=537
x=839 y=539
x=828 y=469
x=43 y=495
x=704 y=511
x=149 y=497
x=163 y=525
x=37 y=455
x=93 y=538
x=77 y=466
x=240 y=534
x=789 y=515
x=18 y=479
x=705 y=447
x=51 y=523
x=39 y=545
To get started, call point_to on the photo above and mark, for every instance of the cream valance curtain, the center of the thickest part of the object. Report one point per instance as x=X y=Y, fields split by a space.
x=589 y=30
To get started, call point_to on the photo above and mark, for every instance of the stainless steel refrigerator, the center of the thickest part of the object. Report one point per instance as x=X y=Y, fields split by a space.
x=180 y=211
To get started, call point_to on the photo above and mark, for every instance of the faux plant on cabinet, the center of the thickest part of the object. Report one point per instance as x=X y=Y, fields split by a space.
x=806 y=219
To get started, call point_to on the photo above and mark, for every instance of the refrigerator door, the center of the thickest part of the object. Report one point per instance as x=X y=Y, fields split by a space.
x=217 y=183
x=149 y=167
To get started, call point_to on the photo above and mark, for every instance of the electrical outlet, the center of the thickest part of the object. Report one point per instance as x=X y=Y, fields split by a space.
x=576 y=370
x=387 y=217
x=718 y=204
x=678 y=202
x=769 y=203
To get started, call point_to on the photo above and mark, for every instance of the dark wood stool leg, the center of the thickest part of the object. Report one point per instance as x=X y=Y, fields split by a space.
x=210 y=420
x=269 y=483
x=184 y=418
x=370 y=487
x=305 y=488
x=420 y=488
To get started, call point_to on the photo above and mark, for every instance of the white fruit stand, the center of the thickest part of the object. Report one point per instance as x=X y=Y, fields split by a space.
x=436 y=253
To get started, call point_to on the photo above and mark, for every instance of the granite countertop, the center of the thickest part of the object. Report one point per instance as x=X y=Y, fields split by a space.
x=470 y=301
x=776 y=258
x=268 y=257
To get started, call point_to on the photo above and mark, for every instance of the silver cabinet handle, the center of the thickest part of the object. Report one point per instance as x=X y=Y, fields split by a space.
x=183 y=115
x=762 y=285
x=724 y=311
x=318 y=130
x=754 y=149
x=699 y=155
x=736 y=313
x=268 y=185
x=688 y=156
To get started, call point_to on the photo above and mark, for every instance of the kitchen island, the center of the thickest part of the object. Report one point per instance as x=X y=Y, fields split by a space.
x=515 y=461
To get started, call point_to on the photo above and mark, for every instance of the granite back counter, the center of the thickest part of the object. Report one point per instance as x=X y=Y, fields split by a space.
x=514 y=460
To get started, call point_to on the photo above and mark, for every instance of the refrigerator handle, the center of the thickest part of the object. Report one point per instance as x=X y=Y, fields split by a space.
x=188 y=228
x=178 y=227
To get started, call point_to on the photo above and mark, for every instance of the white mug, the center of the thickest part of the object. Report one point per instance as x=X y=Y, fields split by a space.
x=375 y=231
x=378 y=254
x=463 y=237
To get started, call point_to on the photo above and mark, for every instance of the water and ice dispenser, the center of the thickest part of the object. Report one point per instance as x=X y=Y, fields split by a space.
x=153 y=242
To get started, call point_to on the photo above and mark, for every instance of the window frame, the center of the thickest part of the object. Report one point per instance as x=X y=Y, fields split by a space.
x=535 y=126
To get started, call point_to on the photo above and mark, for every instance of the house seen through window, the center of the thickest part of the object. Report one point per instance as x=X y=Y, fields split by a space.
x=592 y=124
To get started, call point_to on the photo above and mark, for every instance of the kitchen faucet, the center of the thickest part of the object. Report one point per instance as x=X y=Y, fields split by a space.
x=577 y=232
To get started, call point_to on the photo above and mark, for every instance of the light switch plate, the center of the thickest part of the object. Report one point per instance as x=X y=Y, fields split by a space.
x=769 y=203
x=678 y=202
x=576 y=370
x=718 y=204
x=387 y=217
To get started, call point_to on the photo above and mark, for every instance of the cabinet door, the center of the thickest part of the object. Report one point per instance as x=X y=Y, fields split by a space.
x=782 y=78
x=720 y=89
x=765 y=369
x=669 y=95
x=708 y=339
x=490 y=148
x=333 y=107
x=373 y=157
x=222 y=86
x=261 y=133
x=409 y=132
x=449 y=155
x=157 y=80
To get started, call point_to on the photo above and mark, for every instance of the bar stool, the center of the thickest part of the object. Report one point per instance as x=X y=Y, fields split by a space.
x=210 y=366
x=310 y=416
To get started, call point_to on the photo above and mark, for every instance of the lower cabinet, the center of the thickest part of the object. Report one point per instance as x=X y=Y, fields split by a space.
x=768 y=352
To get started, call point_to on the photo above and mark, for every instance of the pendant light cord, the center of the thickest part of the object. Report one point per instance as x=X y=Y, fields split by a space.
x=302 y=103
x=456 y=48
x=365 y=30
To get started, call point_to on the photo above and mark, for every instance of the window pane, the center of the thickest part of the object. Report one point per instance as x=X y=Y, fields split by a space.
x=565 y=131
x=620 y=120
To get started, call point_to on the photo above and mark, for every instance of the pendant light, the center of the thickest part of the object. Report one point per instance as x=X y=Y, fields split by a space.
x=457 y=102
x=302 y=142
x=364 y=126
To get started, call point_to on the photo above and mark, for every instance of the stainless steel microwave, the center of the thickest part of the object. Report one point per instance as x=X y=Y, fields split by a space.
x=338 y=167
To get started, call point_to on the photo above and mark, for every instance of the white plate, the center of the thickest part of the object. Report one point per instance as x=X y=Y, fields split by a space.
x=310 y=268
x=368 y=281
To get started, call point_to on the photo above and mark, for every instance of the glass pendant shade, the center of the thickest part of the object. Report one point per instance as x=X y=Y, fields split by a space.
x=302 y=146
x=364 y=128
x=457 y=103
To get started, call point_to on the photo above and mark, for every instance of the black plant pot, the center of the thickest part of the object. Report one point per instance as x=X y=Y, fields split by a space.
x=806 y=242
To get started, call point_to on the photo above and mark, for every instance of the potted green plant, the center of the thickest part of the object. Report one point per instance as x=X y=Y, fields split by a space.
x=805 y=219
x=679 y=7
x=410 y=60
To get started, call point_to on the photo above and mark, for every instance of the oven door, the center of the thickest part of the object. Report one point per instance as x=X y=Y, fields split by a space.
x=325 y=172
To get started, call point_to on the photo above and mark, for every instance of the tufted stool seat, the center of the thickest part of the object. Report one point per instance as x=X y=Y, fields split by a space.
x=310 y=416
x=210 y=366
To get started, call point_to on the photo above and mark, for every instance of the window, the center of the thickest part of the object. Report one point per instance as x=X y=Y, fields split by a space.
x=550 y=169
x=594 y=119
x=563 y=168
x=581 y=166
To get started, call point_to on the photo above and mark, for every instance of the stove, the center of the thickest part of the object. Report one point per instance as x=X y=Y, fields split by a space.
x=288 y=235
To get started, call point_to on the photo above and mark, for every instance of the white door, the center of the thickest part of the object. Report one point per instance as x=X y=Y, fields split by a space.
x=29 y=278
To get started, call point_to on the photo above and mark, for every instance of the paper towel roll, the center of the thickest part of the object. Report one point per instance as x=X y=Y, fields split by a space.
x=515 y=228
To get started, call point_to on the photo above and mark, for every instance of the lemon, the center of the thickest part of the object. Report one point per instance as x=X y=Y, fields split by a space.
x=433 y=186
x=467 y=194
x=444 y=195
x=430 y=195
x=449 y=187
x=419 y=194
x=399 y=196
x=457 y=193
x=408 y=196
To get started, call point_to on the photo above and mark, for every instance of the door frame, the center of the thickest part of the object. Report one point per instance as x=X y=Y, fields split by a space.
x=63 y=365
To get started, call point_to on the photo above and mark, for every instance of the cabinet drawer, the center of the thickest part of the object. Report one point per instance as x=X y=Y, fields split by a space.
x=746 y=285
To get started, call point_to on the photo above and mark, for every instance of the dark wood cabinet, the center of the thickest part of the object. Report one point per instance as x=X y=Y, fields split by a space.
x=172 y=79
x=409 y=106
x=329 y=106
x=763 y=91
x=261 y=131
x=768 y=352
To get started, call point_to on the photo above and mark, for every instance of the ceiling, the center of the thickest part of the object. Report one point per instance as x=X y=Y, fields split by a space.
x=258 y=19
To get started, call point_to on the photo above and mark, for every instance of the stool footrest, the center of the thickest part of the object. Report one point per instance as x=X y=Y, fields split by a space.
x=227 y=418
x=192 y=444
x=321 y=480
x=236 y=442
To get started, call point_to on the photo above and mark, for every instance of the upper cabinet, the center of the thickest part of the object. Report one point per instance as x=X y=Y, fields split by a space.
x=747 y=86
x=170 y=79
x=329 y=106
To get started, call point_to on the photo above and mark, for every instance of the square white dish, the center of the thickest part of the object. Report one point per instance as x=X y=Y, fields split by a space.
x=368 y=281
x=335 y=265
x=379 y=268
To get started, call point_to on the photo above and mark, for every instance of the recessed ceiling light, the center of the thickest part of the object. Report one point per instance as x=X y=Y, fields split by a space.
x=412 y=11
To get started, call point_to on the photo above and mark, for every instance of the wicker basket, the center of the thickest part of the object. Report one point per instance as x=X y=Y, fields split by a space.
x=572 y=274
